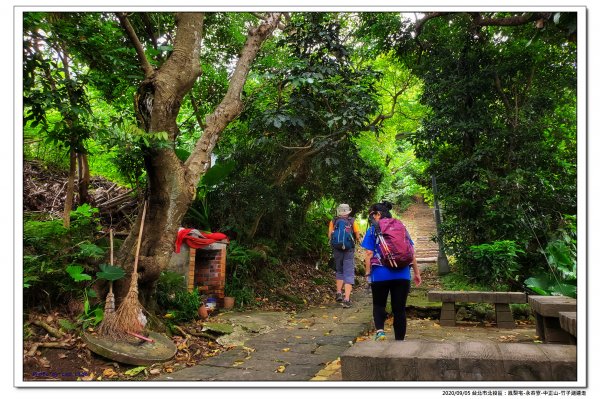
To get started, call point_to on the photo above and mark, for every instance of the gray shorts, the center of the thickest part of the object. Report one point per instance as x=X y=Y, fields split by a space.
x=344 y=265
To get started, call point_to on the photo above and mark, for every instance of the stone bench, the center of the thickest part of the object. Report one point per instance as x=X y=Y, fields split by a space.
x=501 y=301
x=568 y=322
x=547 y=311
x=458 y=361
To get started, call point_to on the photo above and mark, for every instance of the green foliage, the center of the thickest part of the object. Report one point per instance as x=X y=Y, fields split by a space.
x=58 y=264
x=494 y=264
x=110 y=273
x=173 y=297
x=331 y=114
x=560 y=275
x=457 y=281
x=76 y=273
x=56 y=260
x=198 y=214
x=66 y=325
x=293 y=144
x=92 y=314
x=501 y=134
x=245 y=267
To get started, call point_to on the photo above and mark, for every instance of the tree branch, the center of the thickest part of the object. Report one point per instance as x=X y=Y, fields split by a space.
x=146 y=67
x=479 y=20
x=149 y=29
x=264 y=17
x=381 y=117
x=430 y=15
x=231 y=105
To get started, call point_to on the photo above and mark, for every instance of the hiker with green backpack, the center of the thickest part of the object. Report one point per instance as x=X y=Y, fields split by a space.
x=343 y=236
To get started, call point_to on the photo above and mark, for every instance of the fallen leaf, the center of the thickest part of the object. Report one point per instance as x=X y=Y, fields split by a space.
x=154 y=371
x=135 y=371
x=182 y=346
x=285 y=350
x=109 y=373
x=88 y=377
x=168 y=369
x=237 y=363
x=62 y=356
x=280 y=369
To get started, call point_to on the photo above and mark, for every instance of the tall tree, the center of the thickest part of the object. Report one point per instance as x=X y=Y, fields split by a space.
x=171 y=182
x=500 y=139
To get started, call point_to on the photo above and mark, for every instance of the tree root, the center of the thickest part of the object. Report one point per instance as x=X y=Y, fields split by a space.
x=51 y=330
x=38 y=345
x=195 y=334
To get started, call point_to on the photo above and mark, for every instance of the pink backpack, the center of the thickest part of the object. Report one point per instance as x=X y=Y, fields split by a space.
x=394 y=243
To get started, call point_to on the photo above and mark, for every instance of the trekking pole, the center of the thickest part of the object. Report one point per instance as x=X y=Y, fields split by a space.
x=389 y=252
x=384 y=245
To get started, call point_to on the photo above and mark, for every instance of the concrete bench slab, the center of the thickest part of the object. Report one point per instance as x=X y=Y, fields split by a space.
x=568 y=322
x=501 y=301
x=550 y=306
x=546 y=310
x=458 y=361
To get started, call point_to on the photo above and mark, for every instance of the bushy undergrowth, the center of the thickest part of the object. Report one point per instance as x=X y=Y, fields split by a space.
x=247 y=267
x=58 y=262
x=494 y=264
x=174 y=299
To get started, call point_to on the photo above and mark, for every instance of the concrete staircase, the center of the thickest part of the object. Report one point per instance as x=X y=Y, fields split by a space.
x=420 y=221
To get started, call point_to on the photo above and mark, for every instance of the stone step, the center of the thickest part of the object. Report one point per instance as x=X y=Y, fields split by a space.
x=420 y=360
x=420 y=222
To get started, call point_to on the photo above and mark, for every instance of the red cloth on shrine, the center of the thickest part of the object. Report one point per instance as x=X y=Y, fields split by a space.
x=196 y=242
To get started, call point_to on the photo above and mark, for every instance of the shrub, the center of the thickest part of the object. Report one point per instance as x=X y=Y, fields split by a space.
x=559 y=276
x=493 y=264
x=56 y=260
x=173 y=297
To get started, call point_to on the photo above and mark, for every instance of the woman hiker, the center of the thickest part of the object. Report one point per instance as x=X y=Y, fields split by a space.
x=386 y=279
x=343 y=234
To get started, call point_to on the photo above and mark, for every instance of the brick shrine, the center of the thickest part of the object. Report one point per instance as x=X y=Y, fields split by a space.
x=206 y=270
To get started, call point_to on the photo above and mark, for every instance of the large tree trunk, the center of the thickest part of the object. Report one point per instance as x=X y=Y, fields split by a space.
x=172 y=184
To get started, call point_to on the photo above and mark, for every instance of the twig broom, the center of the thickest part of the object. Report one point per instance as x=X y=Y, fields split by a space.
x=129 y=316
x=109 y=306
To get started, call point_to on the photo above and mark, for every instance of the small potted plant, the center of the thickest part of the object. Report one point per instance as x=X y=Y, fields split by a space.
x=229 y=299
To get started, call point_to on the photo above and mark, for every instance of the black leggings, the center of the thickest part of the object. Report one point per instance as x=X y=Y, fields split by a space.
x=399 y=293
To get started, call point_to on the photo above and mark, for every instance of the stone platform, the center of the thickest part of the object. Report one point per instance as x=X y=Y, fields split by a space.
x=458 y=361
